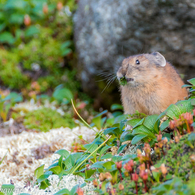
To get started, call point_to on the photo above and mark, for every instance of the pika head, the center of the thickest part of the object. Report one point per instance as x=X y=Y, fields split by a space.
x=140 y=69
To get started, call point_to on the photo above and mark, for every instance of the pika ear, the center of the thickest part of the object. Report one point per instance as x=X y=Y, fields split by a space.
x=159 y=59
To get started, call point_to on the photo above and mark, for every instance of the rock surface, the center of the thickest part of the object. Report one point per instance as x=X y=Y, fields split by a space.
x=107 y=31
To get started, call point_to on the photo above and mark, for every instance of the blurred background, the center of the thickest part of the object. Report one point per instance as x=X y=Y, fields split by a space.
x=78 y=45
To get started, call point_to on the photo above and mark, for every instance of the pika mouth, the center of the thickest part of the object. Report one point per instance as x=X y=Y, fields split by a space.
x=129 y=79
x=123 y=80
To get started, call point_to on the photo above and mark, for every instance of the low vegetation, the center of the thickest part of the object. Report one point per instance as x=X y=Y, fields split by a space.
x=131 y=154
x=163 y=163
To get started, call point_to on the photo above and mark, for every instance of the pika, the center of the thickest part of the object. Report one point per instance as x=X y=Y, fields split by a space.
x=149 y=84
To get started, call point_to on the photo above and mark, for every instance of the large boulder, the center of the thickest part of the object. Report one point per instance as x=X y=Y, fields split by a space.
x=107 y=31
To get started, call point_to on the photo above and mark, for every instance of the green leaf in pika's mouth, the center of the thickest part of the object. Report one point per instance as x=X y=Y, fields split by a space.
x=123 y=81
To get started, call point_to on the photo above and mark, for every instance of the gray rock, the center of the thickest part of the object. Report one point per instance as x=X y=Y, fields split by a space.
x=107 y=31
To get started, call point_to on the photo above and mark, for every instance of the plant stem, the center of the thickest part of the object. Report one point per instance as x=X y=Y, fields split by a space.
x=91 y=154
x=188 y=128
x=81 y=117
x=136 y=188
x=146 y=189
x=120 y=175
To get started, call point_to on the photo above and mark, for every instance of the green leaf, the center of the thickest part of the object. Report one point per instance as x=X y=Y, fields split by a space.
x=191 y=137
x=61 y=94
x=139 y=123
x=112 y=130
x=97 y=122
x=16 y=18
x=14 y=97
x=74 y=189
x=56 y=169
x=192 y=81
x=32 y=30
x=167 y=135
x=133 y=122
x=103 y=187
x=63 y=192
x=39 y=171
x=8 y=189
x=91 y=147
x=66 y=44
x=137 y=138
x=116 y=107
x=129 y=156
x=116 y=113
x=2 y=26
x=126 y=136
x=123 y=81
x=102 y=113
x=184 y=106
x=65 y=52
x=164 y=125
x=76 y=157
x=183 y=86
x=118 y=119
x=89 y=173
x=156 y=175
x=116 y=158
x=12 y=4
x=62 y=152
x=193 y=124
x=193 y=101
x=103 y=150
x=144 y=131
x=173 y=111
x=121 y=148
x=68 y=162
x=106 y=156
x=6 y=37
x=43 y=177
x=98 y=164
x=108 y=165
x=83 y=185
x=150 y=121
x=3 y=158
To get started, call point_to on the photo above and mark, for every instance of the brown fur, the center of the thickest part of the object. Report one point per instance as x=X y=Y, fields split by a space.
x=154 y=88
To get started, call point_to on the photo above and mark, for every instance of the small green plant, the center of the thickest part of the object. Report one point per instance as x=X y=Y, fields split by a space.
x=45 y=119
x=7 y=102
x=123 y=81
x=25 y=53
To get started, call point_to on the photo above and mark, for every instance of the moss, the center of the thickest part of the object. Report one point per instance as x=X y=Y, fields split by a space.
x=45 y=119
x=10 y=73
x=129 y=187
x=178 y=158
x=45 y=52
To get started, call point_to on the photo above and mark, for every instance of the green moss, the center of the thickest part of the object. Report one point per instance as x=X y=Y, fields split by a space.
x=45 y=52
x=178 y=158
x=129 y=187
x=45 y=119
x=10 y=73
x=48 y=42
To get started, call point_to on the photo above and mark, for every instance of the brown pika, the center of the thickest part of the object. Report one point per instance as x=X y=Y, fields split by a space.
x=149 y=84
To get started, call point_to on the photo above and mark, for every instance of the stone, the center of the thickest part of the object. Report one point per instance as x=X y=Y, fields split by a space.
x=107 y=31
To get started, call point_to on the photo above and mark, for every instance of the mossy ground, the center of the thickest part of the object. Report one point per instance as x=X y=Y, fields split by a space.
x=45 y=119
x=178 y=160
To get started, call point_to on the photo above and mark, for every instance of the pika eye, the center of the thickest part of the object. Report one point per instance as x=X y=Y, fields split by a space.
x=137 y=62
